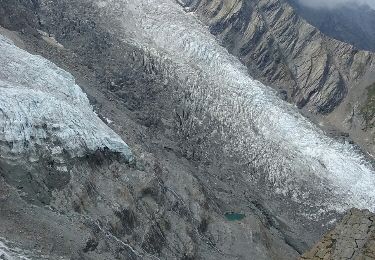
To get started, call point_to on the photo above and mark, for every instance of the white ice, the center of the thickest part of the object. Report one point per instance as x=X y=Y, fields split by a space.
x=43 y=111
x=294 y=155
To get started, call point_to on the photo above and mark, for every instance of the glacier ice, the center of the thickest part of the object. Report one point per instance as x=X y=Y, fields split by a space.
x=294 y=157
x=8 y=253
x=43 y=111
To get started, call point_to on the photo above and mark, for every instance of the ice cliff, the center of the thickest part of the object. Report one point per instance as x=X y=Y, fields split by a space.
x=43 y=111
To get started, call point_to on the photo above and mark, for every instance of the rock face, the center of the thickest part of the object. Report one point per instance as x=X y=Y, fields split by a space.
x=352 y=238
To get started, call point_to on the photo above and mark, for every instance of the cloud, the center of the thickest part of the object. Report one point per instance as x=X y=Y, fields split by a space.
x=336 y=3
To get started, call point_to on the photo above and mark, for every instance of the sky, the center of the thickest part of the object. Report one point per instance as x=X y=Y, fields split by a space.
x=336 y=3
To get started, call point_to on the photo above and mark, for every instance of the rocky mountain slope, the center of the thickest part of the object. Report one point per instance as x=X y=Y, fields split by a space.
x=325 y=77
x=351 y=23
x=222 y=168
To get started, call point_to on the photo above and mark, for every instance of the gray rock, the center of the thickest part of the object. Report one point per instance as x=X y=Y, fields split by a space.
x=352 y=238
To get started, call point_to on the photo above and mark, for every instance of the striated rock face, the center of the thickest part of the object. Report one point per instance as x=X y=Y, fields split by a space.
x=44 y=113
x=285 y=51
x=352 y=238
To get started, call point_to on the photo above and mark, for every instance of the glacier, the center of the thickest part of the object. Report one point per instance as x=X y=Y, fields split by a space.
x=293 y=161
x=44 y=113
x=295 y=158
